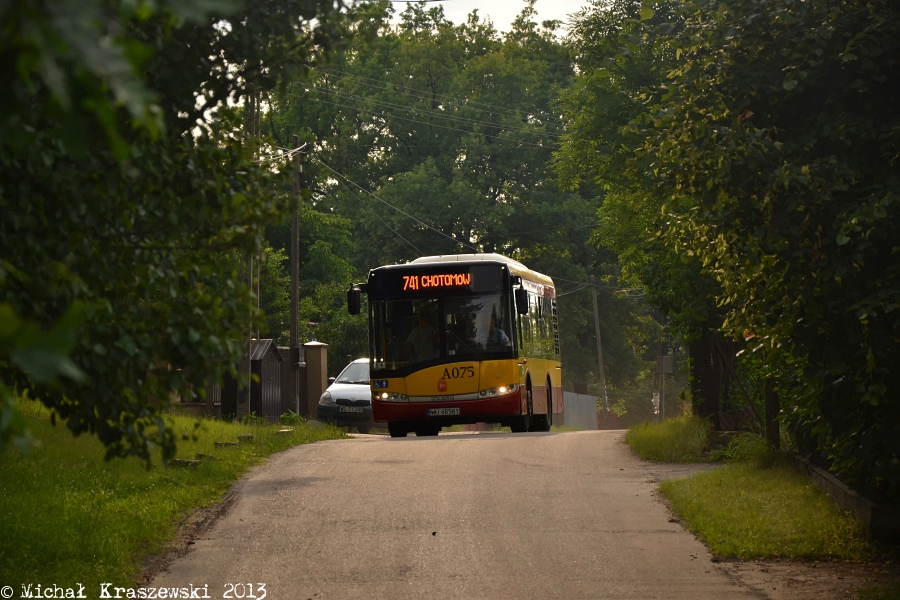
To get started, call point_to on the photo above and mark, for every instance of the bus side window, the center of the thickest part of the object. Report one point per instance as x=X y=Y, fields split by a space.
x=533 y=318
x=548 y=328
x=555 y=327
x=527 y=327
x=522 y=321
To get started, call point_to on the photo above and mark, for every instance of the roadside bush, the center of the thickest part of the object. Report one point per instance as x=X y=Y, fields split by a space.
x=683 y=439
x=291 y=418
x=748 y=448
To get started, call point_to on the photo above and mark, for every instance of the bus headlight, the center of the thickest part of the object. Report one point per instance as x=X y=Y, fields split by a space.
x=390 y=397
x=501 y=390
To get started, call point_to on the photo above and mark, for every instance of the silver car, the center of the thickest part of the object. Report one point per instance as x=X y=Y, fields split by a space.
x=348 y=401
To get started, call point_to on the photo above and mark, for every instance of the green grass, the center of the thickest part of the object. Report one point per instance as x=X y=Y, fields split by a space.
x=67 y=516
x=743 y=511
x=752 y=507
x=675 y=440
x=887 y=591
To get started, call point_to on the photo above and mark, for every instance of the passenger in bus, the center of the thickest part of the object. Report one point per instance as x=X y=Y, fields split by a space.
x=422 y=343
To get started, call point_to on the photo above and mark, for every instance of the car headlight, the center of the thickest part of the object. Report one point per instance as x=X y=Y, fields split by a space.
x=326 y=398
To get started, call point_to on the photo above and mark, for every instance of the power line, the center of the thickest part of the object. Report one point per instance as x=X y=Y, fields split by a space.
x=587 y=283
x=522 y=142
x=383 y=114
x=285 y=154
x=448 y=117
x=539 y=231
x=343 y=180
x=578 y=289
x=394 y=207
x=427 y=94
x=374 y=214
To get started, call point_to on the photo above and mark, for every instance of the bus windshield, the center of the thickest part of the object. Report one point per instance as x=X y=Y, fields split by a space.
x=407 y=334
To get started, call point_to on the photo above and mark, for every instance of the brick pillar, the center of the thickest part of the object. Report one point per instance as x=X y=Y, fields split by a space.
x=316 y=375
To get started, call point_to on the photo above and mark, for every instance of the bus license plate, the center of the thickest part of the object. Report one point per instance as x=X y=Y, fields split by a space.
x=442 y=412
x=353 y=409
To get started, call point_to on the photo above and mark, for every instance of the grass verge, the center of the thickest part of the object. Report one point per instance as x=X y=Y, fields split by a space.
x=67 y=516
x=744 y=511
x=675 y=440
x=754 y=506
x=887 y=591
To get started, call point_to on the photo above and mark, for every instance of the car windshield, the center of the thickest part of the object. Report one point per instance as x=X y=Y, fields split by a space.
x=411 y=333
x=354 y=373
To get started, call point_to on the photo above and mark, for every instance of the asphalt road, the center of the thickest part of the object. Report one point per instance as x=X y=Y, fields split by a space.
x=535 y=515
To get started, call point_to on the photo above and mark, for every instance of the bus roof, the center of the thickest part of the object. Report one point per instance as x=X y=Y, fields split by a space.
x=515 y=267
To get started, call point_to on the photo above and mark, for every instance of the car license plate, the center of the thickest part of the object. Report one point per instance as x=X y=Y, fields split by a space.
x=353 y=409
x=441 y=412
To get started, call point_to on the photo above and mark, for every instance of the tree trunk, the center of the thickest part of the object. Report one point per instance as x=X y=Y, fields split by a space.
x=773 y=434
x=705 y=377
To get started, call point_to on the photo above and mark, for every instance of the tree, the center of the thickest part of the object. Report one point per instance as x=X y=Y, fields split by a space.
x=128 y=194
x=766 y=156
x=768 y=144
x=451 y=129
x=618 y=65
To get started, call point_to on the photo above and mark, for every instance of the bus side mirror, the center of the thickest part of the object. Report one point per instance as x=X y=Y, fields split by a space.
x=353 y=300
x=521 y=301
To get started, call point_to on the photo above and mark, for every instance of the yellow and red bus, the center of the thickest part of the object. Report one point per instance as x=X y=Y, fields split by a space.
x=461 y=339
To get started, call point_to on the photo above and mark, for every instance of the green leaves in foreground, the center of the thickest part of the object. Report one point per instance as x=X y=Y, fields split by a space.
x=124 y=192
x=741 y=511
x=44 y=356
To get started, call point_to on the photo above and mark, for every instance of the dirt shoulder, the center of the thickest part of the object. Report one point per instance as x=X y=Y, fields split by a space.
x=807 y=580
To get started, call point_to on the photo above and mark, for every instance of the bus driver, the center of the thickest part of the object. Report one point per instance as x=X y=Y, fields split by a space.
x=496 y=336
x=422 y=341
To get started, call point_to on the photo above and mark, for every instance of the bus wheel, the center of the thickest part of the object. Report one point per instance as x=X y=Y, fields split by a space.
x=542 y=422
x=549 y=404
x=522 y=423
x=397 y=429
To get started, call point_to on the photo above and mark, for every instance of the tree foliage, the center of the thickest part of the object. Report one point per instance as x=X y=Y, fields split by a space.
x=776 y=144
x=436 y=138
x=768 y=142
x=125 y=194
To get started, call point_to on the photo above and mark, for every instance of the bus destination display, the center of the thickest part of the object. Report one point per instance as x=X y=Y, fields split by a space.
x=403 y=281
x=437 y=280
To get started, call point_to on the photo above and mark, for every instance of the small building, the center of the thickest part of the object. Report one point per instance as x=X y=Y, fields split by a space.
x=266 y=365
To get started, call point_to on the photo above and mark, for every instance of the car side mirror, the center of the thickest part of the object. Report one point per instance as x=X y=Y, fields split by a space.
x=354 y=295
x=521 y=301
x=331 y=380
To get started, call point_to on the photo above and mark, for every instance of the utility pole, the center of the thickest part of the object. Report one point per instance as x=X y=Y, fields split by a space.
x=662 y=387
x=252 y=127
x=773 y=433
x=599 y=351
x=665 y=367
x=295 y=275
